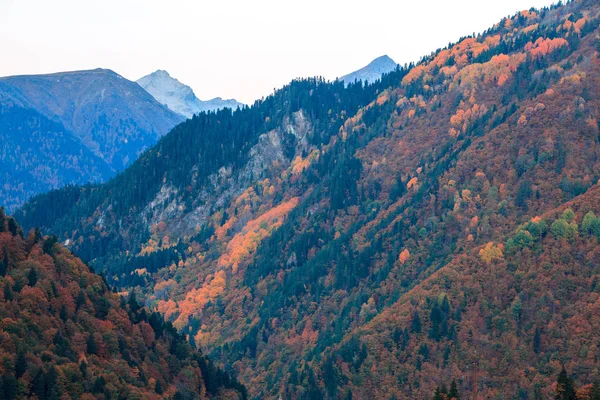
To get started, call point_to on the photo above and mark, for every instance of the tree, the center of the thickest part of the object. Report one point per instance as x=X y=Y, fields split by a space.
x=8 y=294
x=8 y=386
x=590 y=225
x=80 y=300
x=20 y=365
x=416 y=322
x=2 y=220
x=523 y=193
x=565 y=389
x=595 y=392
x=453 y=393
x=12 y=226
x=49 y=245
x=32 y=277
x=158 y=387
x=536 y=341
x=91 y=345
x=3 y=265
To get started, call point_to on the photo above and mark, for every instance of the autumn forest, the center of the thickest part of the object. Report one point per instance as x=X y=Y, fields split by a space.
x=433 y=234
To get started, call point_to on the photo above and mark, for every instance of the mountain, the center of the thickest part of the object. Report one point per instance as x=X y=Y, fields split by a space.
x=66 y=335
x=39 y=154
x=373 y=71
x=180 y=98
x=74 y=127
x=438 y=228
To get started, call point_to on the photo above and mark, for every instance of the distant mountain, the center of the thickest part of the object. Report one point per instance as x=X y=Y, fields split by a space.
x=371 y=72
x=73 y=127
x=66 y=335
x=38 y=155
x=180 y=98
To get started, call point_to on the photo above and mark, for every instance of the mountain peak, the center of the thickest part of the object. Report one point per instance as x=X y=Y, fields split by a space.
x=179 y=97
x=373 y=71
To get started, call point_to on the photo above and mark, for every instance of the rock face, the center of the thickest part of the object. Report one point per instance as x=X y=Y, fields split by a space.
x=371 y=72
x=73 y=127
x=180 y=98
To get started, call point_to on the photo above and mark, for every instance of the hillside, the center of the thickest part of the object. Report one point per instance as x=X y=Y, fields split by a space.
x=29 y=160
x=98 y=119
x=372 y=72
x=180 y=98
x=378 y=241
x=65 y=335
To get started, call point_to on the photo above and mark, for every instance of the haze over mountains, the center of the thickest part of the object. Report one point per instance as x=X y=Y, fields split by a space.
x=73 y=127
x=340 y=241
x=180 y=98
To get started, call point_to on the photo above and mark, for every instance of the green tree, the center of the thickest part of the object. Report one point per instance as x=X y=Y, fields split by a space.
x=565 y=389
x=595 y=392
x=91 y=346
x=12 y=226
x=8 y=294
x=416 y=322
x=590 y=225
x=453 y=393
x=2 y=220
x=20 y=364
x=536 y=341
x=32 y=277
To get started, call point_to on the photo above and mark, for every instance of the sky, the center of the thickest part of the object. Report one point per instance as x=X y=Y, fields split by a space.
x=239 y=49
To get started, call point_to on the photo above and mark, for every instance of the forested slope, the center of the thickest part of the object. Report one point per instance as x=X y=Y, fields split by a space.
x=63 y=334
x=301 y=240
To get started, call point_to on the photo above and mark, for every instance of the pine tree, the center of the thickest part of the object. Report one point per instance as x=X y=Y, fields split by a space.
x=565 y=389
x=20 y=365
x=536 y=341
x=2 y=220
x=80 y=300
x=12 y=226
x=453 y=393
x=595 y=392
x=91 y=345
x=83 y=368
x=416 y=322
x=158 y=387
x=38 y=385
x=3 y=266
x=32 y=277
x=8 y=294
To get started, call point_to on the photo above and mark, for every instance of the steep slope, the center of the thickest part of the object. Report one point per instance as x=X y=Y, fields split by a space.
x=38 y=155
x=372 y=72
x=180 y=98
x=113 y=117
x=65 y=335
x=291 y=266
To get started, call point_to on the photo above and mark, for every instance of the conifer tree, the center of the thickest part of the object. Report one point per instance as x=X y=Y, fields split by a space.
x=565 y=389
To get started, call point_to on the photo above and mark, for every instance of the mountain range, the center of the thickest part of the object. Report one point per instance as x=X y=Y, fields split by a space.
x=435 y=228
x=180 y=98
x=72 y=128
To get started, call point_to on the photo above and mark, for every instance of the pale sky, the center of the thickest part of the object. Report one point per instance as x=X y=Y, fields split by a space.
x=239 y=49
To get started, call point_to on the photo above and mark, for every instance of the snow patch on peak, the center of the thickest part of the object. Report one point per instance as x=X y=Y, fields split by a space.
x=179 y=97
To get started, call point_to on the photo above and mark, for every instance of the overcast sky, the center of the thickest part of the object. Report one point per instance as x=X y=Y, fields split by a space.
x=239 y=49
